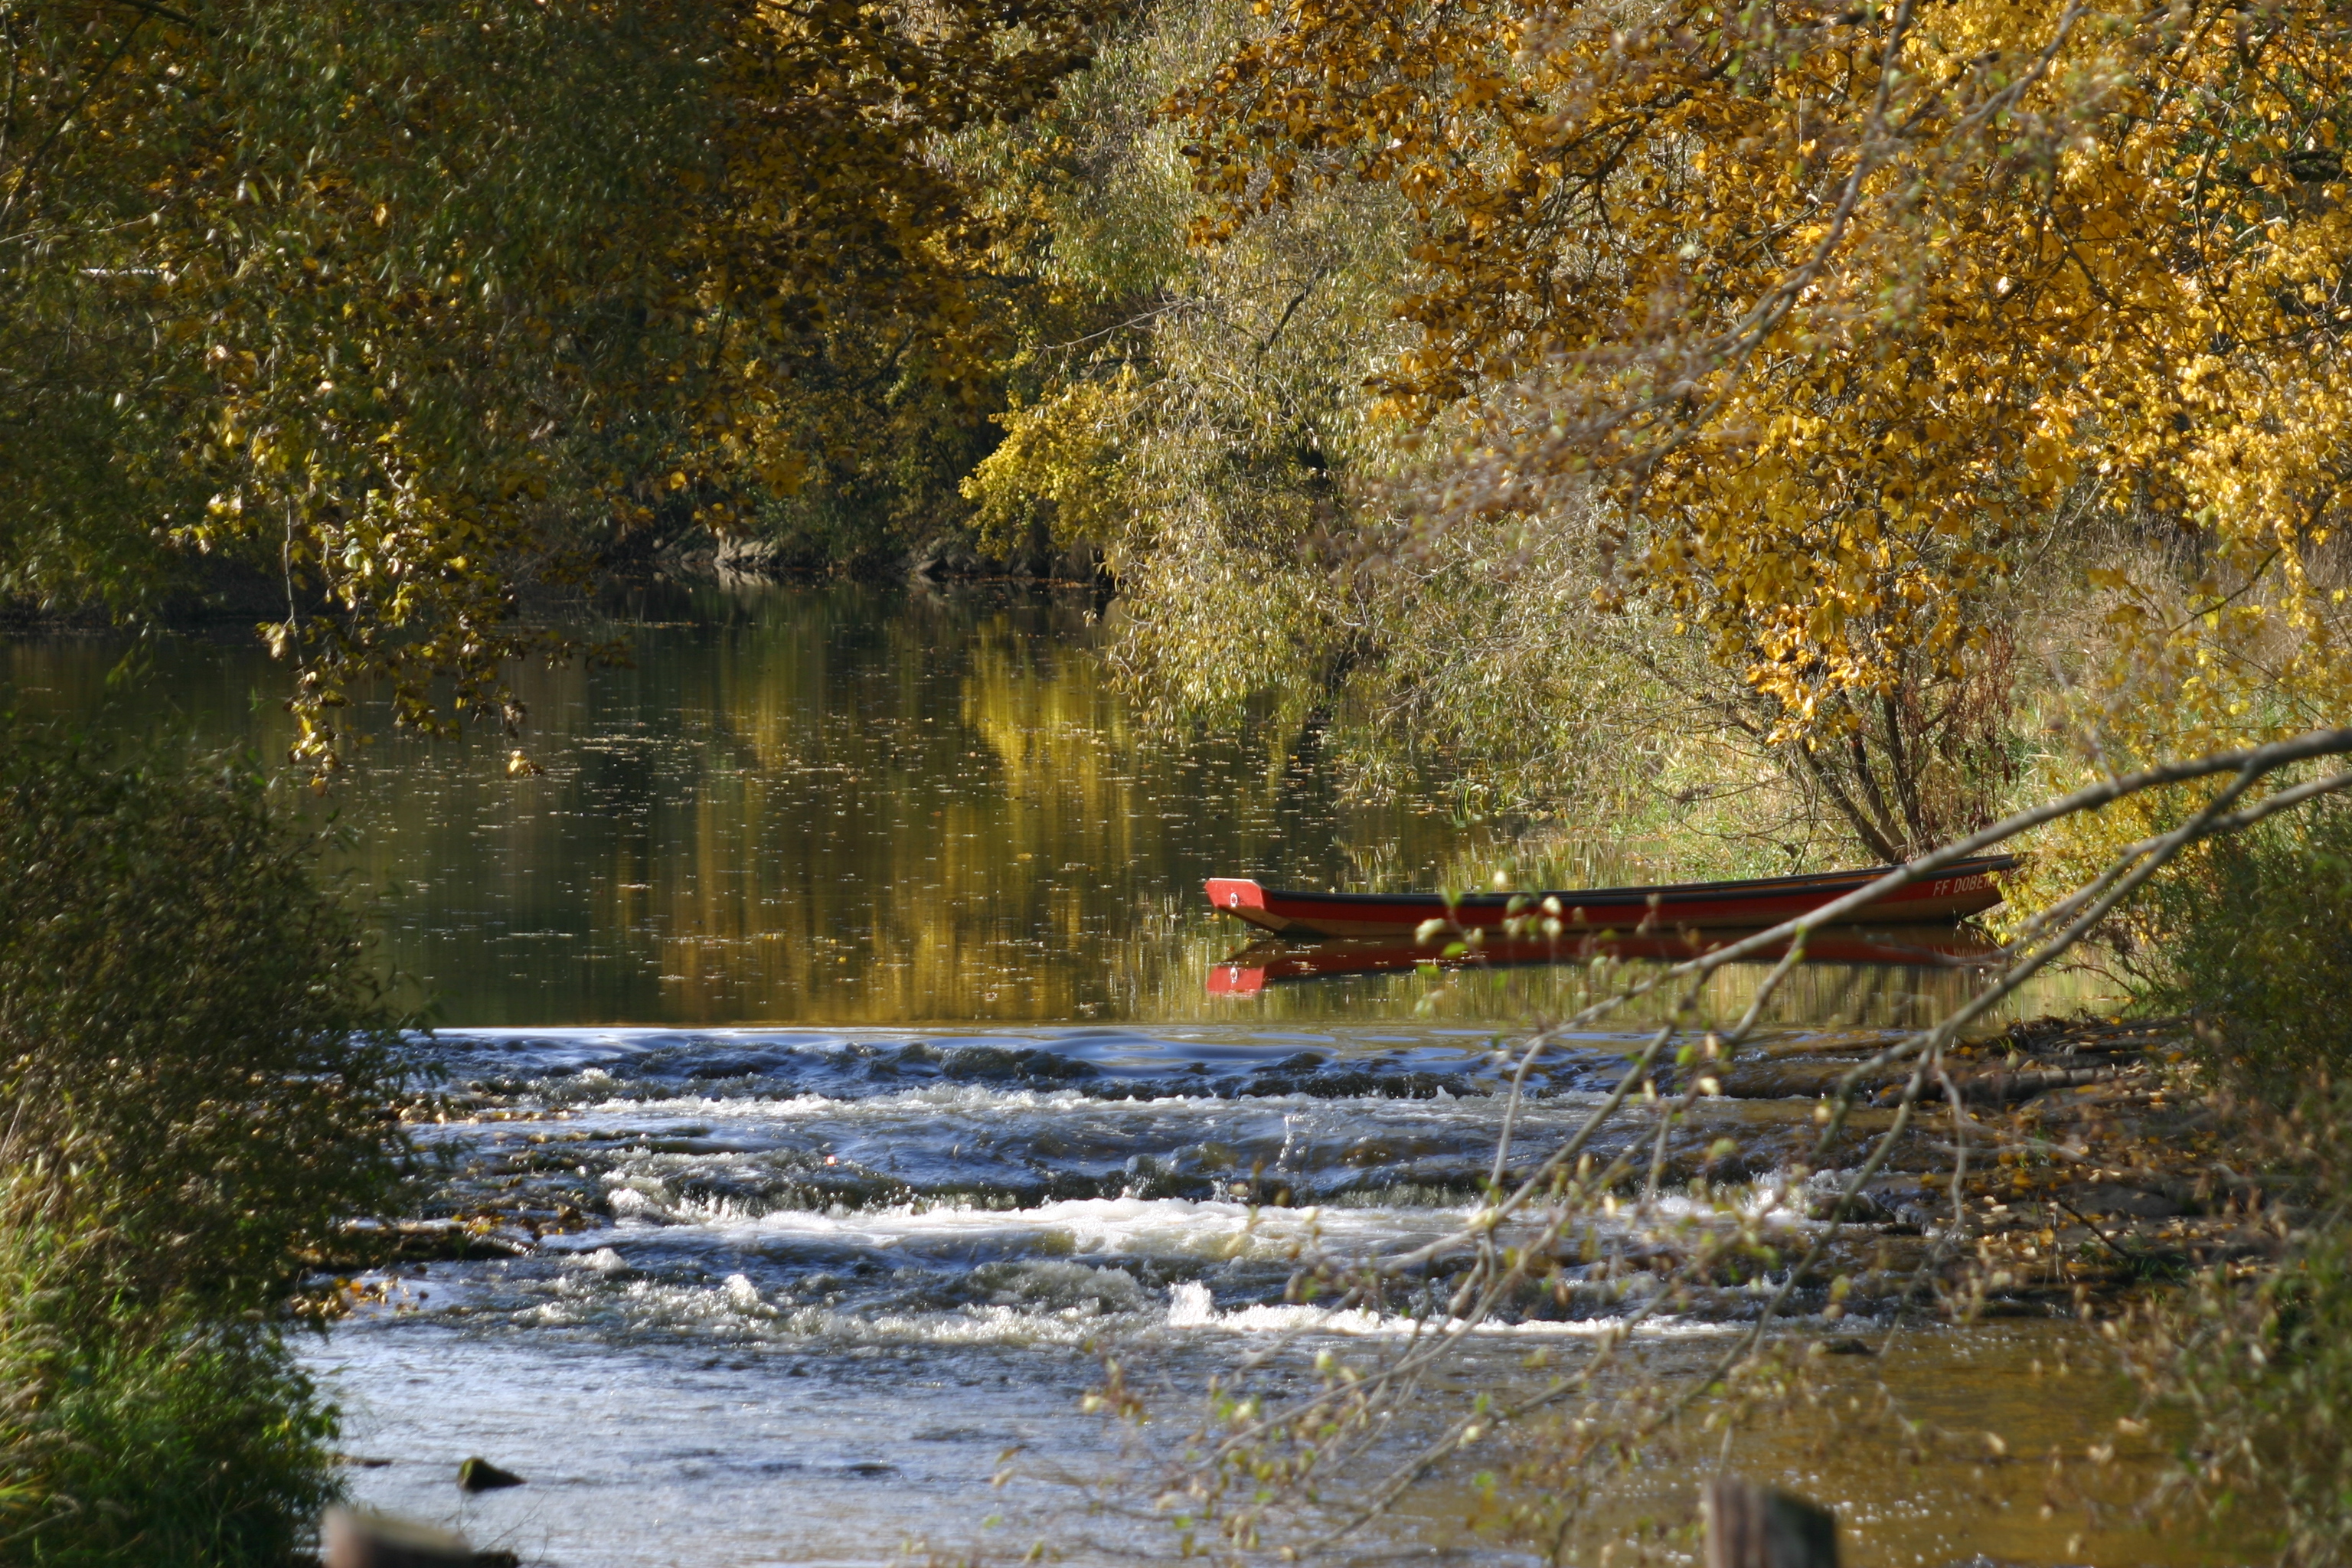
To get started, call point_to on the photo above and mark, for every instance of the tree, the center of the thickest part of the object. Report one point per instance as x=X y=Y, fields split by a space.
x=406 y=311
x=1858 y=320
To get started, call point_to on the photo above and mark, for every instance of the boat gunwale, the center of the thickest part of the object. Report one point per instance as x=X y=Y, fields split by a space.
x=1758 y=887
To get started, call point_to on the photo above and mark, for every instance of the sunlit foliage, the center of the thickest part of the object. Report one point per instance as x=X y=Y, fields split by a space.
x=1191 y=412
x=1869 y=329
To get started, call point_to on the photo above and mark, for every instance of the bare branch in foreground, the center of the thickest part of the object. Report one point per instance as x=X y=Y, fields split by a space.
x=1511 y=1241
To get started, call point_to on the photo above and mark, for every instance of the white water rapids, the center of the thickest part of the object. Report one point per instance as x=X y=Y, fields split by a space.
x=844 y=1278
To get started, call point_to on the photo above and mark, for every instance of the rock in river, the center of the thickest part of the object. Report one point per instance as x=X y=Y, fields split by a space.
x=478 y=1475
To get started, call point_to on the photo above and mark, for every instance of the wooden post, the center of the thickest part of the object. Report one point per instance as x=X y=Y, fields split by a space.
x=348 y=1539
x=1748 y=1527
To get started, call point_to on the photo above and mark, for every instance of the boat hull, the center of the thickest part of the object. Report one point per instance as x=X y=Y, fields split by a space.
x=1964 y=887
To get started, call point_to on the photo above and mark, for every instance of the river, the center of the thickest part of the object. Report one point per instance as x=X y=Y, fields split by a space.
x=835 y=1028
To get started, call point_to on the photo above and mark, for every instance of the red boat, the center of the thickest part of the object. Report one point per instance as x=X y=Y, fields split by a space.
x=1264 y=963
x=1963 y=888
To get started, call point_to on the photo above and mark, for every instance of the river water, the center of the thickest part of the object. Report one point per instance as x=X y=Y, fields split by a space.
x=837 y=1040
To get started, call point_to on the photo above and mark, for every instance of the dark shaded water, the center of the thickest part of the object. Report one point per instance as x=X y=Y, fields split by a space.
x=834 y=1026
x=830 y=805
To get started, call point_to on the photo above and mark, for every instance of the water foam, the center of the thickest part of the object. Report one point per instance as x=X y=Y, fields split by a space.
x=1204 y=1229
x=1191 y=1306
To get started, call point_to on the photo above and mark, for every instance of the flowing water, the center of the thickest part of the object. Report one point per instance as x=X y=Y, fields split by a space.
x=837 y=1040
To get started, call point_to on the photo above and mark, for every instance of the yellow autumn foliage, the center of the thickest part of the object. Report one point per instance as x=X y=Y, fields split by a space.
x=1862 y=320
x=1057 y=468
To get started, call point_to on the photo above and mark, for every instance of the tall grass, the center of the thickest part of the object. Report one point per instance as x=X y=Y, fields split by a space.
x=199 y=1080
x=158 y=1437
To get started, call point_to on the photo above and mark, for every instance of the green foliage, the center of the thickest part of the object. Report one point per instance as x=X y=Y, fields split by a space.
x=1497 y=659
x=1197 y=414
x=206 y=1448
x=1211 y=415
x=2253 y=940
x=200 y=1073
x=202 y=1084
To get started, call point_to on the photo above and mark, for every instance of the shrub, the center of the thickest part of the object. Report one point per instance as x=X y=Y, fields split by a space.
x=201 y=1078
x=2254 y=941
x=2265 y=1374
x=203 y=1443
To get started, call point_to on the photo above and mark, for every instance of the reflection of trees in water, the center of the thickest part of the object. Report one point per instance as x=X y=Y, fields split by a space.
x=1814 y=996
x=809 y=809
x=828 y=804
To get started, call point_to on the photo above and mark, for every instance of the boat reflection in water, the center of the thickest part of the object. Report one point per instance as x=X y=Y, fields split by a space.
x=1269 y=962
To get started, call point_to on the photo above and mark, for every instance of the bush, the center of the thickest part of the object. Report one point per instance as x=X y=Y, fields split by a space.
x=208 y=1445
x=201 y=1079
x=2265 y=1374
x=2252 y=941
